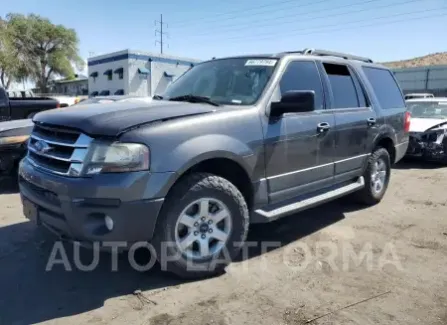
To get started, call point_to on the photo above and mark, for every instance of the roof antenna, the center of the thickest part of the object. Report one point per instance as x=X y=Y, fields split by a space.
x=308 y=51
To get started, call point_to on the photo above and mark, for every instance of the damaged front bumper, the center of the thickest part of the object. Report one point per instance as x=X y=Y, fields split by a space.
x=430 y=145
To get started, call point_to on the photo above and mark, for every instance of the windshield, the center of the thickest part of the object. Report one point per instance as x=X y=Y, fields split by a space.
x=428 y=109
x=237 y=81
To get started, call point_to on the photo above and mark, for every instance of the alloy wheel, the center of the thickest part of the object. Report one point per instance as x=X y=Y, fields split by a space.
x=203 y=228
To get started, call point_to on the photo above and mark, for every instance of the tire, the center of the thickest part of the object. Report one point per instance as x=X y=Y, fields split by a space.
x=370 y=194
x=189 y=198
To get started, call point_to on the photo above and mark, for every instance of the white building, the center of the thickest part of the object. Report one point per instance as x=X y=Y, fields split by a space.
x=74 y=87
x=134 y=73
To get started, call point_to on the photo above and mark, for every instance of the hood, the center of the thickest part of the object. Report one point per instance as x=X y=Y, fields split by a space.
x=111 y=119
x=17 y=127
x=423 y=124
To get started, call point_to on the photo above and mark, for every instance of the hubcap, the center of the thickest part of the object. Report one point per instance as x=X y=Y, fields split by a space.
x=203 y=228
x=378 y=176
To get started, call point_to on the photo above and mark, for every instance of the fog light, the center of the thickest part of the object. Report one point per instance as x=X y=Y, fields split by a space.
x=109 y=223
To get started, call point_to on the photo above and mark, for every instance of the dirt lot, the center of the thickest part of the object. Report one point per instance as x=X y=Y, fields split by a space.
x=406 y=235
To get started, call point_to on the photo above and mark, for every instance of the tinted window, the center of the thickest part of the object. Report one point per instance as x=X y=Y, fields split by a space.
x=385 y=87
x=303 y=76
x=363 y=99
x=342 y=85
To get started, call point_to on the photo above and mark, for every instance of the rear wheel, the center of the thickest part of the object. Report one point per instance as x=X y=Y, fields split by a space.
x=377 y=177
x=202 y=226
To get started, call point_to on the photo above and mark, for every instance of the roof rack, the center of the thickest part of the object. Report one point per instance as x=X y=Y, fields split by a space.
x=336 y=54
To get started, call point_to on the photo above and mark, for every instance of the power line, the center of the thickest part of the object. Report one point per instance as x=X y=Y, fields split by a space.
x=243 y=12
x=183 y=22
x=160 y=32
x=298 y=30
x=325 y=30
x=240 y=26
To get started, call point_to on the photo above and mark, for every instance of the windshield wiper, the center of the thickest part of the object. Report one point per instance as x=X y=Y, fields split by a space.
x=190 y=98
x=157 y=97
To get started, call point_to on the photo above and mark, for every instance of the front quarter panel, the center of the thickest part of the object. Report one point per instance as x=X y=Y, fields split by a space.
x=179 y=144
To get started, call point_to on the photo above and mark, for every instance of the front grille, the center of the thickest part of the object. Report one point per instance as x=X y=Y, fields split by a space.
x=66 y=136
x=58 y=150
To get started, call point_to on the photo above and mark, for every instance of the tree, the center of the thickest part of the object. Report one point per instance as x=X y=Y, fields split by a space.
x=14 y=65
x=46 y=50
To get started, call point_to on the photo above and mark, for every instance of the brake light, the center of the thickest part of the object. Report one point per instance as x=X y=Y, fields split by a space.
x=58 y=105
x=407 y=121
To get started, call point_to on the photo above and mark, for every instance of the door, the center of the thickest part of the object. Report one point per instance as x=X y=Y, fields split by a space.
x=299 y=146
x=354 y=120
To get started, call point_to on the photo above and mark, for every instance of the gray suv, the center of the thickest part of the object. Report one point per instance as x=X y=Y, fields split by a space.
x=233 y=141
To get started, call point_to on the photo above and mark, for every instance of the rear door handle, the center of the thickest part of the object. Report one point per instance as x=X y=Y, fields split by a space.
x=323 y=127
x=371 y=121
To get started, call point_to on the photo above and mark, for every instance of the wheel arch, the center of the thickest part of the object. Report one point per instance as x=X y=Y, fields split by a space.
x=386 y=141
x=224 y=164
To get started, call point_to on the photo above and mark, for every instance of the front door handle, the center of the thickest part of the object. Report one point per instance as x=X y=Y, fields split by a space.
x=323 y=127
x=371 y=121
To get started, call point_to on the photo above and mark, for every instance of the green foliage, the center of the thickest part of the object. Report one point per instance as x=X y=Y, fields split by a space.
x=12 y=63
x=31 y=47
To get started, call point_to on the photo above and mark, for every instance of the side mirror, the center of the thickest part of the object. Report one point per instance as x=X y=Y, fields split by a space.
x=294 y=101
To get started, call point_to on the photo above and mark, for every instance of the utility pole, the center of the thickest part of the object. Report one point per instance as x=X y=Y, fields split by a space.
x=160 y=32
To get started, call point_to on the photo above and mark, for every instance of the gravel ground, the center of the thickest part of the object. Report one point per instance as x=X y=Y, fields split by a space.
x=311 y=272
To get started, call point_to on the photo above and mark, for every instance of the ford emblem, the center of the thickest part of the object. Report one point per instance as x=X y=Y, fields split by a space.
x=42 y=147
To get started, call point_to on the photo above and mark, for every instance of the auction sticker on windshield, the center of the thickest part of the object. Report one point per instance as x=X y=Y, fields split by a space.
x=264 y=63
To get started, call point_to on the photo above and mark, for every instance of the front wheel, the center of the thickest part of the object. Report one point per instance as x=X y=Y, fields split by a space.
x=202 y=227
x=377 y=177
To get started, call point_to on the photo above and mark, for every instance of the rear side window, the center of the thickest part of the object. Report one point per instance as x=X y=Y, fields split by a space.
x=342 y=85
x=385 y=87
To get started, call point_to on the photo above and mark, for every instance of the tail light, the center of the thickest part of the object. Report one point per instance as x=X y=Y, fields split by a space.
x=407 y=121
x=58 y=105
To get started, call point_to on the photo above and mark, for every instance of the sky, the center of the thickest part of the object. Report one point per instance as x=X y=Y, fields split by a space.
x=383 y=30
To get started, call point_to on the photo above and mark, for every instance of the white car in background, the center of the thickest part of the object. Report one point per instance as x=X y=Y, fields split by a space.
x=428 y=128
x=64 y=100
x=111 y=99
x=419 y=95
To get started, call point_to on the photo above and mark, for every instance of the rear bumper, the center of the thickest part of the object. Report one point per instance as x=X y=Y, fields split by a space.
x=75 y=208
x=401 y=149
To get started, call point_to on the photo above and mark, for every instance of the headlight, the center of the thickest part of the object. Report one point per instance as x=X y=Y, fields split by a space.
x=13 y=140
x=440 y=131
x=117 y=158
